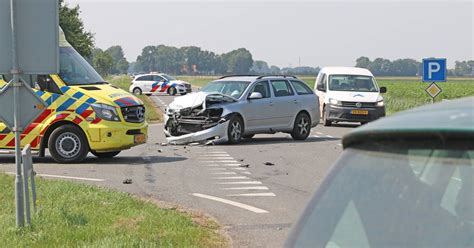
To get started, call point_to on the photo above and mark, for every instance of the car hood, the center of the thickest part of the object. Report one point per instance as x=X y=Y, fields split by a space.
x=108 y=94
x=197 y=99
x=351 y=96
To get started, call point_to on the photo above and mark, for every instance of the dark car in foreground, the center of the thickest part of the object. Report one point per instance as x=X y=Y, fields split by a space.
x=402 y=181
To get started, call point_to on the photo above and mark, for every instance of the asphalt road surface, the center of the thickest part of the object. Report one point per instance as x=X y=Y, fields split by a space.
x=256 y=189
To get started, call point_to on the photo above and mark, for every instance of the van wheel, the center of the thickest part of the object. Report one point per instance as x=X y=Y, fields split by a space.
x=137 y=91
x=302 y=127
x=326 y=122
x=172 y=91
x=235 y=130
x=68 y=144
x=105 y=154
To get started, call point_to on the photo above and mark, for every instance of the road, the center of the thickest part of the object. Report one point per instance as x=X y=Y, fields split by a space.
x=256 y=203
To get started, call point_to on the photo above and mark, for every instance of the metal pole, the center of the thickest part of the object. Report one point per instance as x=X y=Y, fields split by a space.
x=16 y=83
x=26 y=155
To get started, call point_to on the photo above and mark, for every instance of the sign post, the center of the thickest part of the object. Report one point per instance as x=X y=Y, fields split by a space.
x=30 y=37
x=434 y=70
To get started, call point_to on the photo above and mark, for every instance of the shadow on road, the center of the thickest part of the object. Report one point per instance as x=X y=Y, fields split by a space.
x=283 y=140
x=127 y=160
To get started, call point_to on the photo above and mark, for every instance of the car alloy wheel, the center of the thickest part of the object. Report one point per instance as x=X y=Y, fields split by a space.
x=137 y=91
x=303 y=126
x=236 y=130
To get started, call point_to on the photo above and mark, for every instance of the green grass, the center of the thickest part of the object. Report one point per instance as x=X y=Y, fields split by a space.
x=76 y=215
x=152 y=111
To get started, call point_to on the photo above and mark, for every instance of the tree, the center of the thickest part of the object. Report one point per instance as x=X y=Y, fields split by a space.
x=120 y=63
x=73 y=28
x=102 y=62
x=239 y=61
x=260 y=67
x=463 y=68
x=363 y=62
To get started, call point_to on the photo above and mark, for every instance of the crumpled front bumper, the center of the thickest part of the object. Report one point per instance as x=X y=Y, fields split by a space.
x=217 y=134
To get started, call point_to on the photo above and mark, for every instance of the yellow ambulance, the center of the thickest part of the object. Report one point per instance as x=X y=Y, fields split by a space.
x=83 y=114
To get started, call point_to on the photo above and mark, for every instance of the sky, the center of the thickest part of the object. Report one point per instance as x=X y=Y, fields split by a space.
x=288 y=33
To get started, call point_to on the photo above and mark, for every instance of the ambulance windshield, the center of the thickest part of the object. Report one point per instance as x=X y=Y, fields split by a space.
x=75 y=70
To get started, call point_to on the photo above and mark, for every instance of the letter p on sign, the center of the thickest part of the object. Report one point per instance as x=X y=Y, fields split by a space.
x=434 y=70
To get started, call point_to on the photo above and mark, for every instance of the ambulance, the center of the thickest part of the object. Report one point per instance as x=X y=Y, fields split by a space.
x=83 y=113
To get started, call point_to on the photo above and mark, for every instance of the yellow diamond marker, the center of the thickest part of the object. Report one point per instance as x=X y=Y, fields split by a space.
x=433 y=90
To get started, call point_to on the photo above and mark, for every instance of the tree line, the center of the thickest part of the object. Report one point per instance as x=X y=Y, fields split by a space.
x=410 y=67
x=193 y=60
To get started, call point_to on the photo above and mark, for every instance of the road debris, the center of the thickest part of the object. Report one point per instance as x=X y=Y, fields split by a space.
x=160 y=150
x=269 y=164
x=127 y=181
x=163 y=144
x=245 y=165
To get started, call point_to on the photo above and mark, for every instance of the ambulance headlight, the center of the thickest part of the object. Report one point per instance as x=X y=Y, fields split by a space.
x=106 y=112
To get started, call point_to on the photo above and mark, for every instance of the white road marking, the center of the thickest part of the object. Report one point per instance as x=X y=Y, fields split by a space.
x=211 y=165
x=216 y=158
x=254 y=194
x=243 y=182
x=230 y=178
x=232 y=203
x=212 y=153
x=247 y=188
x=66 y=177
x=239 y=169
x=319 y=133
x=220 y=161
x=225 y=173
x=231 y=165
x=217 y=169
x=245 y=172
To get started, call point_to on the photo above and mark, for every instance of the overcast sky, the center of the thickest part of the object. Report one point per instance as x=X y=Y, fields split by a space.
x=321 y=33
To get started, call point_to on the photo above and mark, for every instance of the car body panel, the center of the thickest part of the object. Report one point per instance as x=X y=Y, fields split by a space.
x=258 y=115
x=157 y=83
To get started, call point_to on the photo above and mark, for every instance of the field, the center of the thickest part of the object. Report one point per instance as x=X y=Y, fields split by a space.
x=403 y=93
x=77 y=215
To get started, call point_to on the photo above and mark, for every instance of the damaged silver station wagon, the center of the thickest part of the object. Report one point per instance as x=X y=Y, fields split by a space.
x=237 y=107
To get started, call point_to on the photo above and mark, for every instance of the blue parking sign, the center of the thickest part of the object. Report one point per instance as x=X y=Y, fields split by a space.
x=434 y=70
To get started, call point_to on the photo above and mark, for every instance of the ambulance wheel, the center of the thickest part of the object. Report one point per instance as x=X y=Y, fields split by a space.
x=172 y=91
x=68 y=144
x=105 y=154
x=137 y=91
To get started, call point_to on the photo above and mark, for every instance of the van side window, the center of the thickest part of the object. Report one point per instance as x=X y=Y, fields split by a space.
x=321 y=86
x=46 y=83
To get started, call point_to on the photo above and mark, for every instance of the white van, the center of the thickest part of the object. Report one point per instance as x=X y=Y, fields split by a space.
x=349 y=94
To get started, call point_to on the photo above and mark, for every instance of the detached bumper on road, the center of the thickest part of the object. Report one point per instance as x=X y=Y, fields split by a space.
x=217 y=134
x=336 y=113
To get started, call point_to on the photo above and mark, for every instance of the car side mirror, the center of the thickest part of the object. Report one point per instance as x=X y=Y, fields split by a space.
x=383 y=90
x=255 y=95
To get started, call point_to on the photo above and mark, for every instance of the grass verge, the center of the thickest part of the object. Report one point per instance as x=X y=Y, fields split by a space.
x=76 y=215
x=153 y=114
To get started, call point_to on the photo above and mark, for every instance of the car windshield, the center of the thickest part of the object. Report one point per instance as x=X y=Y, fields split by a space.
x=383 y=195
x=74 y=69
x=352 y=83
x=168 y=77
x=234 y=89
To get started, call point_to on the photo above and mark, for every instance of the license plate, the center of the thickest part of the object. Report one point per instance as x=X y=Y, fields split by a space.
x=359 y=112
x=140 y=139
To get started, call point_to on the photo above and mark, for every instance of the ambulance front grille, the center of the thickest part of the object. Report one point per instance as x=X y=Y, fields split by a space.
x=134 y=114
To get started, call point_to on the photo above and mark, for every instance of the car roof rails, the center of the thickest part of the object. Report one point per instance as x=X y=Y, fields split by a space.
x=238 y=75
x=284 y=76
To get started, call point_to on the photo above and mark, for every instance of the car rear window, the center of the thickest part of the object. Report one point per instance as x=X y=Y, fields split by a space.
x=301 y=88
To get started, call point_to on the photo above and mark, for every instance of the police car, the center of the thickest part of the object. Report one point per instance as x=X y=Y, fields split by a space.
x=154 y=83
